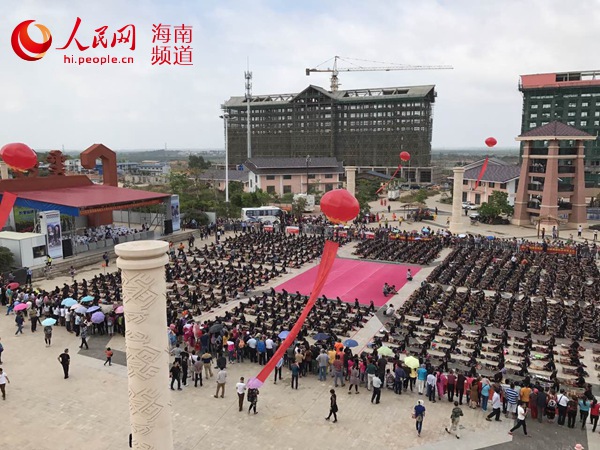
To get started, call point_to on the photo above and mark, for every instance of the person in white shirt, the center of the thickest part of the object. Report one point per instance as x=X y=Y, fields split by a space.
x=431 y=381
x=221 y=380
x=269 y=345
x=496 y=405
x=241 y=391
x=3 y=380
x=521 y=414
x=377 y=383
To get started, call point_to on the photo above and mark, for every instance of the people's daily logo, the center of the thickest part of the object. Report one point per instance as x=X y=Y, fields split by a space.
x=25 y=47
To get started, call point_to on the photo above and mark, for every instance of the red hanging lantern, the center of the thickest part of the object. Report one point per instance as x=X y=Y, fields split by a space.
x=339 y=206
x=490 y=142
x=405 y=156
x=18 y=156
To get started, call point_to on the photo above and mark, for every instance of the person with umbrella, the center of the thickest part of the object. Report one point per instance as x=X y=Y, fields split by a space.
x=333 y=407
x=64 y=359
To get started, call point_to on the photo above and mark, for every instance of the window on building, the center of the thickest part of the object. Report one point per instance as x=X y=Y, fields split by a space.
x=502 y=185
x=329 y=176
x=328 y=187
x=250 y=183
x=270 y=177
x=583 y=113
x=584 y=105
x=478 y=199
x=572 y=105
x=535 y=106
x=571 y=123
x=464 y=196
x=270 y=189
x=491 y=184
x=533 y=116
x=311 y=176
x=287 y=189
x=596 y=123
x=583 y=123
x=287 y=177
x=465 y=182
x=546 y=106
x=532 y=125
x=571 y=114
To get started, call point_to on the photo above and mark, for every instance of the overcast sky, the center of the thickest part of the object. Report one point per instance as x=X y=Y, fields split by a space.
x=47 y=103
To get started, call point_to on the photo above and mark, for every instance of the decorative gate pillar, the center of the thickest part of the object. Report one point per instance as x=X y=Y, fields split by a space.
x=144 y=300
x=456 y=220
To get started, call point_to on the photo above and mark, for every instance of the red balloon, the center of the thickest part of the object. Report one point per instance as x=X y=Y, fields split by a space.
x=339 y=206
x=405 y=156
x=18 y=156
x=490 y=142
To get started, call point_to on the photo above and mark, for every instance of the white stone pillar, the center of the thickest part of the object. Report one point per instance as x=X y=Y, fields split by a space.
x=351 y=179
x=144 y=300
x=456 y=221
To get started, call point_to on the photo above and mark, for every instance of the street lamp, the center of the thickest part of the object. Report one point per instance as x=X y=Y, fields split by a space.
x=225 y=118
x=307 y=163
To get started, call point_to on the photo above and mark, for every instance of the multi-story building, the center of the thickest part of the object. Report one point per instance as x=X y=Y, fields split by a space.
x=572 y=98
x=360 y=127
x=294 y=175
x=498 y=176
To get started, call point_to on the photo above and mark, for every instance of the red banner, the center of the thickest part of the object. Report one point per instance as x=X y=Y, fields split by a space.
x=8 y=201
x=482 y=172
x=559 y=250
x=329 y=254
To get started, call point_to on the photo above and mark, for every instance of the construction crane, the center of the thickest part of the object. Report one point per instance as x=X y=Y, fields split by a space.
x=357 y=67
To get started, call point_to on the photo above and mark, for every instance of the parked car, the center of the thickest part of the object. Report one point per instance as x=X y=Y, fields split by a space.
x=469 y=205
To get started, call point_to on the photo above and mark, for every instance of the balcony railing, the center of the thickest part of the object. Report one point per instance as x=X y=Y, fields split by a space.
x=565 y=187
x=533 y=205
x=535 y=187
x=564 y=206
x=566 y=169
x=537 y=169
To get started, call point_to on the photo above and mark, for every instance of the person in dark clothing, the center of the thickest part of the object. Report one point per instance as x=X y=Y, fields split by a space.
x=333 y=407
x=176 y=375
x=460 y=386
x=221 y=362
x=64 y=359
x=252 y=399
x=185 y=357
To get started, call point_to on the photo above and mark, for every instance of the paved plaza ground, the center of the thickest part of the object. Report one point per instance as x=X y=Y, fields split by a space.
x=89 y=410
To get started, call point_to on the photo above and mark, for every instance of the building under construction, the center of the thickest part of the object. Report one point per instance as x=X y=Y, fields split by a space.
x=359 y=127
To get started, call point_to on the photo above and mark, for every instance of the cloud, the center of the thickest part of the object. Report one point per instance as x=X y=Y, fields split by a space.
x=49 y=103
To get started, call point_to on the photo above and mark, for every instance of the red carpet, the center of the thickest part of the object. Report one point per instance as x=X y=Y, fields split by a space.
x=350 y=279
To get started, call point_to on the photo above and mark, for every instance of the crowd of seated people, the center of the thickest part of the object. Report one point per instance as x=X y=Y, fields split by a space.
x=420 y=251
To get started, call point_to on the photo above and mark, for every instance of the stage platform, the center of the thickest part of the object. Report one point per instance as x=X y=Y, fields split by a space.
x=352 y=278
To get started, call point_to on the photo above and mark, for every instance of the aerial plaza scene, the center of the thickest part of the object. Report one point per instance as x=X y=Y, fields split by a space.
x=321 y=267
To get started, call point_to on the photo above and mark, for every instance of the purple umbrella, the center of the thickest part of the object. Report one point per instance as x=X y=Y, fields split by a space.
x=98 y=317
x=92 y=309
x=254 y=383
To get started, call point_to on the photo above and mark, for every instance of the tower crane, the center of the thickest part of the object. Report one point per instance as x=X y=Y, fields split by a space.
x=358 y=67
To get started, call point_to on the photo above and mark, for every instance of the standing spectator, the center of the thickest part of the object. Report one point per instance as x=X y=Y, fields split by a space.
x=221 y=380
x=524 y=395
x=419 y=415
x=185 y=360
x=198 y=365
x=455 y=419
x=19 y=321
x=3 y=380
x=240 y=387
x=207 y=361
x=1 y=350
x=572 y=412
x=28 y=276
x=295 y=374
x=460 y=386
x=521 y=414
x=65 y=360
x=541 y=400
x=421 y=378
x=278 y=368
x=431 y=380
x=354 y=379
x=83 y=333
x=579 y=230
x=176 y=375
x=377 y=383
x=451 y=385
x=584 y=410
x=512 y=398
x=72 y=273
x=338 y=371
x=252 y=399
x=322 y=361
x=562 y=402
x=48 y=336
x=105 y=258
x=594 y=413
x=333 y=407
x=371 y=370
x=485 y=393
x=34 y=318
x=496 y=406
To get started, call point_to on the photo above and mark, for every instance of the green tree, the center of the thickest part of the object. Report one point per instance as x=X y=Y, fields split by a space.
x=6 y=259
x=421 y=195
x=496 y=205
x=298 y=206
x=366 y=191
x=198 y=162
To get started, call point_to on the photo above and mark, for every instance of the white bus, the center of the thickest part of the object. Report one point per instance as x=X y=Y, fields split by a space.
x=270 y=214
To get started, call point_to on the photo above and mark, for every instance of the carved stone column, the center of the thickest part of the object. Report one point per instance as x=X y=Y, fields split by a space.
x=351 y=179
x=456 y=220
x=144 y=288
